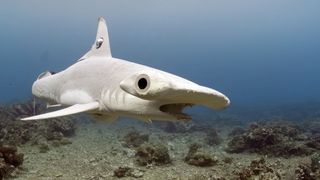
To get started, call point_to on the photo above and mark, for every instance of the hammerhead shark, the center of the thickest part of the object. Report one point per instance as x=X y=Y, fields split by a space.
x=108 y=88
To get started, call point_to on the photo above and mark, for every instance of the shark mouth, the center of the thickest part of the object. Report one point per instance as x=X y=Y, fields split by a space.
x=176 y=110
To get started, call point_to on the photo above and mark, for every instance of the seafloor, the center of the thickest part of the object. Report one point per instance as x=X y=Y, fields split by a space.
x=279 y=143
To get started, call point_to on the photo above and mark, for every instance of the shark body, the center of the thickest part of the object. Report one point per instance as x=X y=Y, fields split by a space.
x=107 y=88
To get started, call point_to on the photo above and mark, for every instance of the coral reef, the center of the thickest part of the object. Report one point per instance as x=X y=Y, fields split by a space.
x=315 y=162
x=258 y=169
x=9 y=160
x=309 y=168
x=134 y=139
x=197 y=157
x=147 y=154
x=314 y=142
x=122 y=172
x=23 y=109
x=303 y=172
x=15 y=132
x=64 y=126
x=127 y=172
x=276 y=140
x=97 y=153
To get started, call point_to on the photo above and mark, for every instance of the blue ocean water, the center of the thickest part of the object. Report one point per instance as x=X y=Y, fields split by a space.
x=257 y=53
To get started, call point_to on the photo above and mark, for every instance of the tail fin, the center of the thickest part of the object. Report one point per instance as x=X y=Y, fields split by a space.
x=101 y=46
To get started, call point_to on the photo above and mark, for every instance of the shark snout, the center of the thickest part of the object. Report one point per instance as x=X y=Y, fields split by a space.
x=183 y=95
x=198 y=95
x=37 y=90
x=41 y=90
x=213 y=98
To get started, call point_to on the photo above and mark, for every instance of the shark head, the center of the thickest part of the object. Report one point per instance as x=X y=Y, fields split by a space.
x=42 y=88
x=167 y=95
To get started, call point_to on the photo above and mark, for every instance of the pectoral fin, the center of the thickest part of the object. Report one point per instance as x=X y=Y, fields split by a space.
x=77 y=108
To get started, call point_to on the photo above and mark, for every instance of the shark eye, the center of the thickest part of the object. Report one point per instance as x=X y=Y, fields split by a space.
x=143 y=83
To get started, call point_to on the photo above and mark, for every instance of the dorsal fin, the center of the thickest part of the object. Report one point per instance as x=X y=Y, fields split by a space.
x=101 y=46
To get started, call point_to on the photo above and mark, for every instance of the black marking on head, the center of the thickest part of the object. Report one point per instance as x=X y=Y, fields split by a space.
x=99 y=42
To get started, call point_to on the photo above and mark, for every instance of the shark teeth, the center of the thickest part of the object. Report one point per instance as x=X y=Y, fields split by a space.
x=176 y=110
